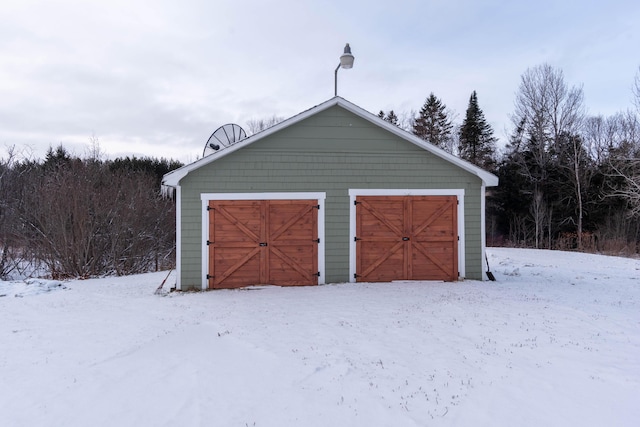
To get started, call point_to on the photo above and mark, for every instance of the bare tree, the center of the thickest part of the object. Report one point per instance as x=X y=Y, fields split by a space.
x=636 y=90
x=82 y=218
x=546 y=111
x=406 y=120
x=258 y=125
x=94 y=151
x=631 y=191
x=576 y=169
x=539 y=213
x=600 y=135
x=624 y=160
x=8 y=246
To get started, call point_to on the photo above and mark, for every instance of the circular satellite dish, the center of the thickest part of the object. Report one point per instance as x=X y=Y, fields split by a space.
x=223 y=137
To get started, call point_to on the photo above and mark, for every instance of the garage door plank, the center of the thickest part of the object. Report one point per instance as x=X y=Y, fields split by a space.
x=376 y=264
x=275 y=234
x=444 y=268
x=384 y=219
x=221 y=277
x=292 y=263
x=236 y=222
x=433 y=217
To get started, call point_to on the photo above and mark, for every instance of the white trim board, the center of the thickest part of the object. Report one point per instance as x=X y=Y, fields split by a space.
x=264 y=196
x=354 y=192
x=206 y=197
x=483 y=230
x=179 y=238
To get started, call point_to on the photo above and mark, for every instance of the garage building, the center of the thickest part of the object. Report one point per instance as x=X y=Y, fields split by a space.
x=333 y=194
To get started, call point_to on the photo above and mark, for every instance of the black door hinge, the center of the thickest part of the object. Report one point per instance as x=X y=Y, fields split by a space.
x=210 y=242
x=355 y=202
x=355 y=239
x=355 y=276
x=210 y=277
x=209 y=208
x=317 y=274
x=316 y=207
x=317 y=240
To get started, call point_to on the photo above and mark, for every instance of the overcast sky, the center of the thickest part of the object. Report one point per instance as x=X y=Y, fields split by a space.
x=156 y=78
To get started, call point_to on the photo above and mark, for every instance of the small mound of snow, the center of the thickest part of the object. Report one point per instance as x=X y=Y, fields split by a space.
x=29 y=287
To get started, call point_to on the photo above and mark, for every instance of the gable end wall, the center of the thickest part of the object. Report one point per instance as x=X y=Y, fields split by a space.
x=330 y=152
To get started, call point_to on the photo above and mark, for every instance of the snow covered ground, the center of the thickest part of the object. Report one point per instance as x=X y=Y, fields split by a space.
x=554 y=342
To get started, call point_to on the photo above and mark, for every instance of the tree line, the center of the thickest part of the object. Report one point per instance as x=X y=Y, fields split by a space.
x=568 y=180
x=67 y=216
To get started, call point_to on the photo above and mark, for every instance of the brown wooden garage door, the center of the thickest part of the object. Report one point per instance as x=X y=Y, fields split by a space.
x=263 y=242
x=406 y=238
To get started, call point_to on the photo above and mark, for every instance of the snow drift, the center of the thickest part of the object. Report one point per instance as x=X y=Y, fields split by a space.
x=555 y=342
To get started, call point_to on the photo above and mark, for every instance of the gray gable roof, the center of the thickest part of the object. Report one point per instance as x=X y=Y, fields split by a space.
x=172 y=179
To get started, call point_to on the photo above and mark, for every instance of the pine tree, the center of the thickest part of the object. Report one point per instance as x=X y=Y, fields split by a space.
x=390 y=117
x=433 y=124
x=56 y=158
x=476 y=141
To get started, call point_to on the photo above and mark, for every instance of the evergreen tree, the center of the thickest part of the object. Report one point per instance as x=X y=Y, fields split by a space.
x=55 y=159
x=390 y=117
x=433 y=124
x=152 y=166
x=476 y=141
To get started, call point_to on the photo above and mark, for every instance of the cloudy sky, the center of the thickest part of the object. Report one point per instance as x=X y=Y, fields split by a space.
x=157 y=77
